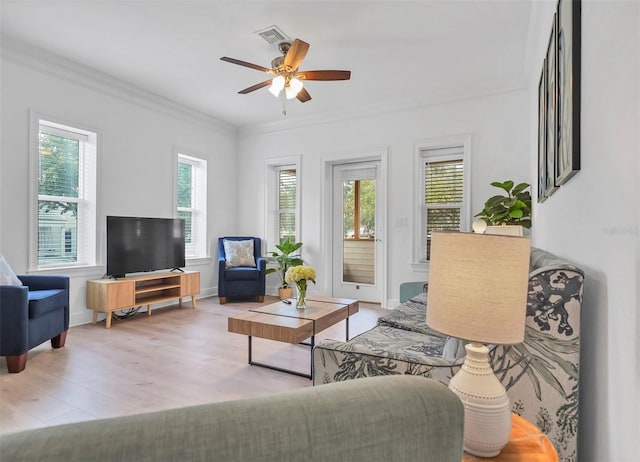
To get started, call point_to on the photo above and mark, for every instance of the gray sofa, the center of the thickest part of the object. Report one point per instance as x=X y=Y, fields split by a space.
x=384 y=418
x=540 y=374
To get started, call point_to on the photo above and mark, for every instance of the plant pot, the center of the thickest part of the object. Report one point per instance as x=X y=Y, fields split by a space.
x=505 y=230
x=285 y=292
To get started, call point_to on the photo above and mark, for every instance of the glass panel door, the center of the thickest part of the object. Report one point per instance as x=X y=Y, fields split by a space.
x=355 y=251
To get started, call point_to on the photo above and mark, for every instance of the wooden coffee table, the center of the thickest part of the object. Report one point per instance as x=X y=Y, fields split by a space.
x=285 y=323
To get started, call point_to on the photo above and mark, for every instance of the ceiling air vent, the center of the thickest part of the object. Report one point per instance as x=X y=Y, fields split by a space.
x=273 y=34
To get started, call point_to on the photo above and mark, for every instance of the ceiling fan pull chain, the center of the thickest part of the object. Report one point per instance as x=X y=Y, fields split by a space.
x=284 y=104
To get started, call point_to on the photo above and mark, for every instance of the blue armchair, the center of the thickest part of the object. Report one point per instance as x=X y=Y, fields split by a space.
x=32 y=314
x=241 y=281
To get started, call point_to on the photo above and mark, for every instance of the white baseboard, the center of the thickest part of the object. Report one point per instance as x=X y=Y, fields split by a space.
x=78 y=319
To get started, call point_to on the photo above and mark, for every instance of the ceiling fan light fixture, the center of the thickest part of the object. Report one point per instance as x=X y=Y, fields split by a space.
x=285 y=75
x=277 y=84
x=293 y=88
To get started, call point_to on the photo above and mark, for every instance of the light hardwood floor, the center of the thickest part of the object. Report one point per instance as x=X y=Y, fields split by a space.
x=175 y=358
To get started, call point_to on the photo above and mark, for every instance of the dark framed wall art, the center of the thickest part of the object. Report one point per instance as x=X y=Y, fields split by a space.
x=568 y=153
x=559 y=101
x=542 y=135
x=551 y=113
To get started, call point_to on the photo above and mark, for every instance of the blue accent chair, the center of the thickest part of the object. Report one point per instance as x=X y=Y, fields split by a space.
x=241 y=281
x=32 y=314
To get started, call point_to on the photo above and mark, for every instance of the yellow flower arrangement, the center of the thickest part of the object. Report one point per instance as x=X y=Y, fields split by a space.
x=300 y=275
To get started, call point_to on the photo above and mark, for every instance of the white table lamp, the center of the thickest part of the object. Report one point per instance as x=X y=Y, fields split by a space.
x=478 y=292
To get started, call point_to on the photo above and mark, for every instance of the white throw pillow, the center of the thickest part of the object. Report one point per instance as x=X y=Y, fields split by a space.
x=7 y=276
x=239 y=253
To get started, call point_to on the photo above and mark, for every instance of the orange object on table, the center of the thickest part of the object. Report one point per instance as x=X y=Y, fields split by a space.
x=526 y=443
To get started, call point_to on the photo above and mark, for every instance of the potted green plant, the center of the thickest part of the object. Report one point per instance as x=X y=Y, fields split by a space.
x=282 y=260
x=512 y=209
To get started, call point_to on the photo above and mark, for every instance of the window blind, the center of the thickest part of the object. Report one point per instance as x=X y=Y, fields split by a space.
x=443 y=198
x=287 y=189
x=287 y=198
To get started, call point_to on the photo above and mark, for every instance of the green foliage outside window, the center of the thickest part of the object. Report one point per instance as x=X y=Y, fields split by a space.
x=58 y=172
x=348 y=207
x=367 y=207
x=185 y=175
x=185 y=197
x=366 y=204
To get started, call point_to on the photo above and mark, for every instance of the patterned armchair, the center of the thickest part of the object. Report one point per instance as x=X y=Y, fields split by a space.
x=241 y=268
x=540 y=374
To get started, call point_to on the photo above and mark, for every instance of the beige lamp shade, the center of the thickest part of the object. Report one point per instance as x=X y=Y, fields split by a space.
x=478 y=286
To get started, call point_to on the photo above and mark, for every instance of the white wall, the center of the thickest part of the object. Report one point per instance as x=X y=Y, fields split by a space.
x=496 y=123
x=138 y=133
x=593 y=220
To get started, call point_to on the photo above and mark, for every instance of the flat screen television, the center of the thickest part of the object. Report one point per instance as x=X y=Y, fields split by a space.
x=137 y=244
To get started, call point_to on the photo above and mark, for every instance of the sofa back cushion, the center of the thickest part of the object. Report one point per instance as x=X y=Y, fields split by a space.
x=411 y=315
x=454 y=348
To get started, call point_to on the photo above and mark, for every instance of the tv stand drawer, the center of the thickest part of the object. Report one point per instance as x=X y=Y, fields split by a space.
x=105 y=295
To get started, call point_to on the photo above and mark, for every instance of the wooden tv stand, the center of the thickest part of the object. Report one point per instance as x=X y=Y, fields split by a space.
x=107 y=295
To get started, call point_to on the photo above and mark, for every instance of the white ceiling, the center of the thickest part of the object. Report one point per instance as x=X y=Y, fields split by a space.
x=399 y=53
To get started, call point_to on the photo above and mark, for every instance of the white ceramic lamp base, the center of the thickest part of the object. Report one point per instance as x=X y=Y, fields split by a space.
x=487 y=414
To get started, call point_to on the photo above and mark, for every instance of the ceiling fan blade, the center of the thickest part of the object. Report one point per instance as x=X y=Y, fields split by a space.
x=246 y=64
x=303 y=95
x=296 y=54
x=324 y=75
x=255 y=87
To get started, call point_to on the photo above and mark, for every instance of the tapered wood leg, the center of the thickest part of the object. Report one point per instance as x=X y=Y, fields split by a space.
x=16 y=363
x=95 y=317
x=261 y=298
x=58 y=340
x=193 y=301
x=223 y=300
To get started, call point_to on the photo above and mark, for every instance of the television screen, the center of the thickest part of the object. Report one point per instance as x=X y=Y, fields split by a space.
x=136 y=244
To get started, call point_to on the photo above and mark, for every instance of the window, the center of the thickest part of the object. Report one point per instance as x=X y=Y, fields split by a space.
x=287 y=197
x=282 y=205
x=443 y=195
x=191 y=203
x=66 y=196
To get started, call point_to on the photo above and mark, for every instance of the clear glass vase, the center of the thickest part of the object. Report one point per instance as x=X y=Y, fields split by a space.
x=301 y=301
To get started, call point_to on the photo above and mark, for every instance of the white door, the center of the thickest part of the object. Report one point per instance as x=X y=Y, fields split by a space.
x=357 y=234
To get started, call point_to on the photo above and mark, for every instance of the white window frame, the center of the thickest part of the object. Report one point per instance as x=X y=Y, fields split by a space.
x=87 y=249
x=435 y=150
x=272 y=230
x=198 y=247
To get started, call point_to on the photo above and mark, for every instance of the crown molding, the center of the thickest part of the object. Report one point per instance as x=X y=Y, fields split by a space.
x=412 y=104
x=61 y=67
x=51 y=63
